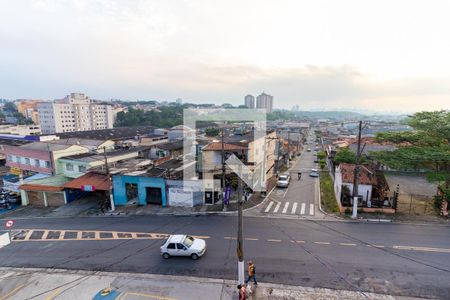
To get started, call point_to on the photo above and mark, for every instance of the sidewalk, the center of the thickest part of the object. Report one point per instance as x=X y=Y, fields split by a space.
x=64 y=284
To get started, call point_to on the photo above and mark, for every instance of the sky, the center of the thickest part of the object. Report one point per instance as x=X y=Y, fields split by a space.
x=367 y=55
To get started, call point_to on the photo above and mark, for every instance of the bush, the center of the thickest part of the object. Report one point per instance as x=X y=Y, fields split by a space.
x=328 y=198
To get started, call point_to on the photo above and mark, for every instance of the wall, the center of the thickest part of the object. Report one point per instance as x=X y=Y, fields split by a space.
x=34 y=154
x=72 y=150
x=184 y=193
x=119 y=190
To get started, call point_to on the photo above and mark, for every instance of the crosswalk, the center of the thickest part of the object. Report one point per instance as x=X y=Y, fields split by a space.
x=295 y=208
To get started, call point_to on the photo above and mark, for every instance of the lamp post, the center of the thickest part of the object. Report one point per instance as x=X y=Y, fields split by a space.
x=240 y=239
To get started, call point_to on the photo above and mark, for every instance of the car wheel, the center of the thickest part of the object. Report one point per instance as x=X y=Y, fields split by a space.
x=165 y=255
x=194 y=256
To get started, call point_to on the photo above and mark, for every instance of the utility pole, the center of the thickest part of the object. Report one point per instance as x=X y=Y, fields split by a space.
x=223 y=171
x=289 y=148
x=356 y=174
x=240 y=239
x=109 y=193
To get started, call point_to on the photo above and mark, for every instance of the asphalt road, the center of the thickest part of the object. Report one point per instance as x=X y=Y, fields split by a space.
x=340 y=255
x=301 y=196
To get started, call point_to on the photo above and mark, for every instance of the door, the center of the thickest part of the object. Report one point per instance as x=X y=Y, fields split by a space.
x=154 y=195
x=182 y=250
x=172 y=249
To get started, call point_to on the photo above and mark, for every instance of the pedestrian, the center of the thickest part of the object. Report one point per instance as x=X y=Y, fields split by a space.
x=241 y=292
x=251 y=272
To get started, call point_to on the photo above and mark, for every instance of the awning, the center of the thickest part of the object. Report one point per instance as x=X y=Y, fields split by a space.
x=97 y=181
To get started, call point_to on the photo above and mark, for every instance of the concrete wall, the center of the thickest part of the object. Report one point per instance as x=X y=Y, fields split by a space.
x=185 y=193
x=4 y=239
x=120 y=194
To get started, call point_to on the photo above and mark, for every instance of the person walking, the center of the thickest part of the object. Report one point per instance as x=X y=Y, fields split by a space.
x=241 y=292
x=251 y=272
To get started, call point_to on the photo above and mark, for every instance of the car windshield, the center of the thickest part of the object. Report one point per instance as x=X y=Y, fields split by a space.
x=283 y=177
x=188 y=241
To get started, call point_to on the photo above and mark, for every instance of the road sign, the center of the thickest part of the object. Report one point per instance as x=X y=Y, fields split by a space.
x=9 y=223
x=88 y=188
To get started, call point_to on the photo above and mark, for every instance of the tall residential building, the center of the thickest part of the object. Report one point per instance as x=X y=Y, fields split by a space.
x=249 y=101
x=265 y=101
x=76 y=112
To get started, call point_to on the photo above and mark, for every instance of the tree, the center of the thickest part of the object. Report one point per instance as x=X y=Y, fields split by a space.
x=321 y=155
x=345 y=155
x=322 y=164
x=427 y=148
x=212 y=131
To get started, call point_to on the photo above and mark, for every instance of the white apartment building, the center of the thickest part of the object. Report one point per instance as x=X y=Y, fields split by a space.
x=76 y=112
x=249 y=101
x=265 y=101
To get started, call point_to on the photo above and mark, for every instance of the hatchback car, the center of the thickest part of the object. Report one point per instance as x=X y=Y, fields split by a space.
x=183 y=245
x=283 y=180
x=314 y=174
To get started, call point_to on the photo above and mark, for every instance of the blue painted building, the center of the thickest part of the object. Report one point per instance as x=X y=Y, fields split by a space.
x=145 y=190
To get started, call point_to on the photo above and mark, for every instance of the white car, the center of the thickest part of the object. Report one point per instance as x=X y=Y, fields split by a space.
x=183 y=245
x=283 y=180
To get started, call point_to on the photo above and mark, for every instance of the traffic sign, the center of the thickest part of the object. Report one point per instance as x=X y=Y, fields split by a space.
x=88 y=188
x=9 y=223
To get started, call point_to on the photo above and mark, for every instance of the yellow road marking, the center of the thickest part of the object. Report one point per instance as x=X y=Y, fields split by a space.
x=300 y=242
x=427 y=249
x=133 y=235
x=97 y=235
x=229 y=238
x=251 y=239
x=114 y=235
x=277 y=241
x=61 y=234
x=27 y=237
x=44 y=236
x=322 y=243
x=347 y=244
x=376 y=246
x=145 y=296
x=53 y=296
x=15 y=290
x=79 y=235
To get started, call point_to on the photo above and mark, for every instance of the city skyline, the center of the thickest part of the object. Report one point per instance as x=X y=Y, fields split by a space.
x=307 y=54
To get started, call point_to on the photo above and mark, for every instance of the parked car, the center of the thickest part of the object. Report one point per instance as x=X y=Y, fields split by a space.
x=283 y=180
x=314 y=174
x=183 y=245
x=309 y=149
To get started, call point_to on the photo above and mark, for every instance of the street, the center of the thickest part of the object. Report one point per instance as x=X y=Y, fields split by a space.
x=300 y=198
x=397 y=259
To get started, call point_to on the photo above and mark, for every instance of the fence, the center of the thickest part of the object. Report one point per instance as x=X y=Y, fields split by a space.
x=416 y=204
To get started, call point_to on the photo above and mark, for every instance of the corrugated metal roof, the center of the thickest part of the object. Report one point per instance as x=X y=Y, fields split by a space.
x=99 y=181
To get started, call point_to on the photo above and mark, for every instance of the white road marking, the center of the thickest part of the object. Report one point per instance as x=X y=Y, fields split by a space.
x=294 y=208
x=284 y=195
x=285 y=207
x=322 y=243
x=251 y=239
x=426 y=249
x=347 y=244
x=278 y=241
x=277 y=207
x=269 y=206
x=311 y=209
x=302 y=209
x=300 y=242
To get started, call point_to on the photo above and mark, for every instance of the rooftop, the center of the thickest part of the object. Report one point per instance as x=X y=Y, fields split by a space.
x=117 y=133
x=217 y=146
x=366 y=176
x=40 y=146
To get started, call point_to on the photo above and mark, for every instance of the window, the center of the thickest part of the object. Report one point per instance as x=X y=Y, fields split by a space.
x=69 y=167
x=36 y=162
x=10 y=157
x=82 y=169
x=18 y=159
x=27 y=161
x=171 y=246
x=180 y=247
x=47 y=164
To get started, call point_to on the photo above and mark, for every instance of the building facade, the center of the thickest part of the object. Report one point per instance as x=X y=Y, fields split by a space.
x=76 y=112
x=249 y=101
x=265 y=101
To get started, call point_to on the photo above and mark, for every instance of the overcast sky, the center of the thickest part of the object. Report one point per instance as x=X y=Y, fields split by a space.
x=379 y=55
